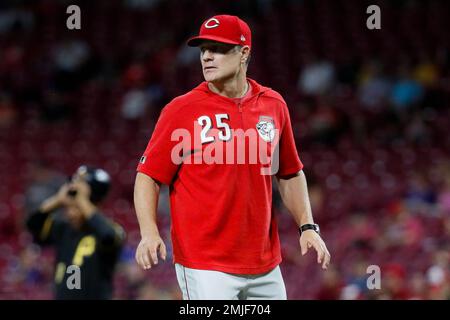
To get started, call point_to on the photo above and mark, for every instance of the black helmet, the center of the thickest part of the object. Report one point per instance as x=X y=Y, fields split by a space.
x=98 y=179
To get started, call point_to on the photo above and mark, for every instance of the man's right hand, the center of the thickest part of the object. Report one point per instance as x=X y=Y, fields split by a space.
x=57 y=200
x=147 y=251
x=62 y=196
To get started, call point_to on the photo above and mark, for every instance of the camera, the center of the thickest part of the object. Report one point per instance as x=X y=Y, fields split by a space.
x=72 y=193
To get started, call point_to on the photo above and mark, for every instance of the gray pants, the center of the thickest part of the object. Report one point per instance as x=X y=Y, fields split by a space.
x=198 y=284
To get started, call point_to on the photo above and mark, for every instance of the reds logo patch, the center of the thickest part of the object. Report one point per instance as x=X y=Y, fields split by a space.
x=266 y=128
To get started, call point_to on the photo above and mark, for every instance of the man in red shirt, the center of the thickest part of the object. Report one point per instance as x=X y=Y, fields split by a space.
x=217 y=148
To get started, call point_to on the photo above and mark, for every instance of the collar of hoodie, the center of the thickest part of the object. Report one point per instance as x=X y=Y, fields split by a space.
x=256 y=90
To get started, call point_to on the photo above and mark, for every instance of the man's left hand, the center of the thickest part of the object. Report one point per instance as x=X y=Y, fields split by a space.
x=311 y=238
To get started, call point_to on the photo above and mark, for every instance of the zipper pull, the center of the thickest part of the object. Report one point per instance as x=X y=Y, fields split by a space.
x=239 y=107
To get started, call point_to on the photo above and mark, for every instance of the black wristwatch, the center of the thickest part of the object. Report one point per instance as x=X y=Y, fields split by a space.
x=309 y=226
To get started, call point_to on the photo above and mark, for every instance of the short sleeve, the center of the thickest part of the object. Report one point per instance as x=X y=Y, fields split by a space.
x=46 y=228
x=289 y=160
x=157 y=160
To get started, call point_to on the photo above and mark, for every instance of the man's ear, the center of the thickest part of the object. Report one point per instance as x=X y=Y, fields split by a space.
x=245 y=52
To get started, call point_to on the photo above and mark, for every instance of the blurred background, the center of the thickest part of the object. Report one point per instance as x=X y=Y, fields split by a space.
x=370 y=110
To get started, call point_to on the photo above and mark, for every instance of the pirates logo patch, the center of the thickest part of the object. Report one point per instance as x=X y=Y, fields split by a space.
x=266 y=128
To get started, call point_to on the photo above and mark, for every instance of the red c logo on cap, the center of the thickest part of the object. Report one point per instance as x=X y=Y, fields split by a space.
x=210 y=26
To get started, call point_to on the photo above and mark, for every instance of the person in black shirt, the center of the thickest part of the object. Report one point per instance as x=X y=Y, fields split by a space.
x=87 y=244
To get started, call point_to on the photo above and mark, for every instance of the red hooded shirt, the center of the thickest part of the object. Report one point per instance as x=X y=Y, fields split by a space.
x=218 y=156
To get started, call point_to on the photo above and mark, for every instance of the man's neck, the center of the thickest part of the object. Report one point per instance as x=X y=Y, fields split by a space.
x=234 y=88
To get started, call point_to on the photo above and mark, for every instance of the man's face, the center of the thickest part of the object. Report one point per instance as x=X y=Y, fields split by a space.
x=74 y=215
x=220 y=61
